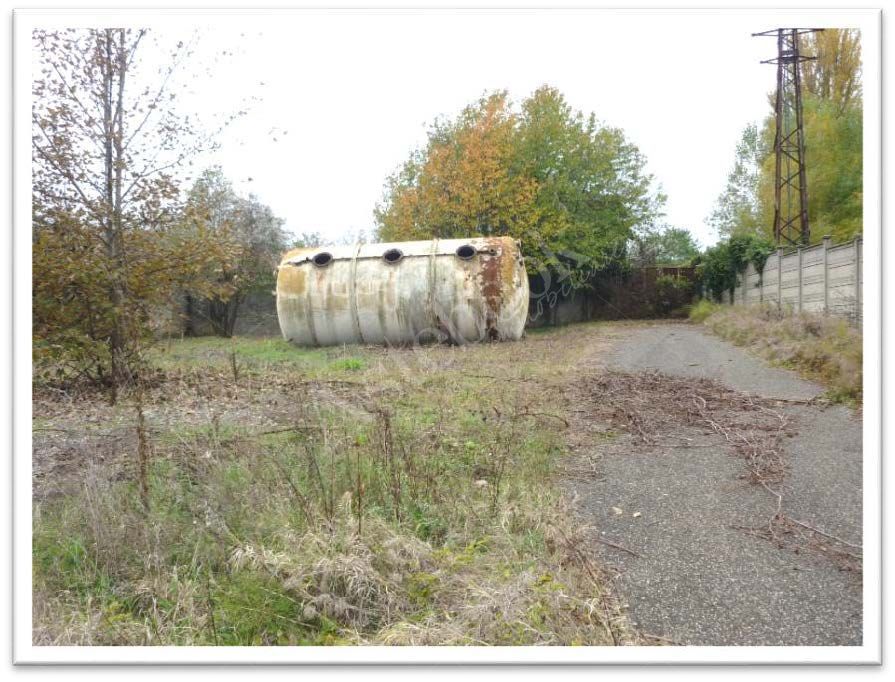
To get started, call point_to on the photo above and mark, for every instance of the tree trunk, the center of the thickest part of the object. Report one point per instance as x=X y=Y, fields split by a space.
x=112 y=224
x=223 y=313
x=113 y=121
x=189 y=329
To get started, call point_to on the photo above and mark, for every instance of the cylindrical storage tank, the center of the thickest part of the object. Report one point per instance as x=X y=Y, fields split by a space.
x=456 y=290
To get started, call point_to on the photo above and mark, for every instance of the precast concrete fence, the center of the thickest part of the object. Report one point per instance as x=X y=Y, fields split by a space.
x=824 y=278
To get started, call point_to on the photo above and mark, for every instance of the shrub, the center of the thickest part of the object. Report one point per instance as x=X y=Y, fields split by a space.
x=672 y=293
x=721 y=263
x=700 y=310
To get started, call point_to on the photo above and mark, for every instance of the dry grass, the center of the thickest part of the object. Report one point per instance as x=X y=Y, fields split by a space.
x=349 y=496
x=824 y=349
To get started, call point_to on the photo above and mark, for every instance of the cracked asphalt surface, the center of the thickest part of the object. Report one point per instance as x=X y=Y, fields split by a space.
x=697 y=578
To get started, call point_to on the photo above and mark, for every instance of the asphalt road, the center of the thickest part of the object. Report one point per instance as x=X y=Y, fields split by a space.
x=697 y=578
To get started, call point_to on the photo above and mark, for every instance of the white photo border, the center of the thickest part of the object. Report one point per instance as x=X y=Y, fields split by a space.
x=24 y=652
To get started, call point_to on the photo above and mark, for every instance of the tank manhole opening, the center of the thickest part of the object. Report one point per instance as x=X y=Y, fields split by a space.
x=465 y=252
x=322 y=259
x=392 y=256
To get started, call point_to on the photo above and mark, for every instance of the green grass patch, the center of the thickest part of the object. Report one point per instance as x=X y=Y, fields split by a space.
x=347 y=365
x=188 y=353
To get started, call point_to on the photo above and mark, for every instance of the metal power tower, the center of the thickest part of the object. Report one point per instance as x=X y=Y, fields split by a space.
x=790 y=184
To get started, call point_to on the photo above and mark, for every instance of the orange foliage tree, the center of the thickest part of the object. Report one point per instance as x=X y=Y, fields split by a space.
x=573 y=191
x=111 y=241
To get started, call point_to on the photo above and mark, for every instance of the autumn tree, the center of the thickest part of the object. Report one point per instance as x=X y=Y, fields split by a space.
x=833 y=123
x=571 y=189
x=833 y=129
x=109 y=246
x=835 y=73
x=465 y=182
x=258 y=235
x=834 y=168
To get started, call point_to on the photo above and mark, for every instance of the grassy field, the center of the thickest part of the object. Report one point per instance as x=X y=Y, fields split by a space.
x=258 y=493
x=821 y=348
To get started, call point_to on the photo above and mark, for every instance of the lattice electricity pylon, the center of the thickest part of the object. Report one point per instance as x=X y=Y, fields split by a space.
x=790 y=183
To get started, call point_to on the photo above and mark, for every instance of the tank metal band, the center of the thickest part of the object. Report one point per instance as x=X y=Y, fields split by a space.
x=310 y=314
x=352 y=297
x=433 y=264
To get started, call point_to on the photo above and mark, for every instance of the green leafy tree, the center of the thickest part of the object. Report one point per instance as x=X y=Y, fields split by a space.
x=738 y=210
x=667 y=246
x=591 y=188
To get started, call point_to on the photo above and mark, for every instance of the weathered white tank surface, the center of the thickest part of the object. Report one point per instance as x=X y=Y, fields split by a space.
x=454 y=290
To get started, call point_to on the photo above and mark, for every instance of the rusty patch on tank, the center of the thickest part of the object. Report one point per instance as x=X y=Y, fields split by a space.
x=493 y=274
x=293 y=280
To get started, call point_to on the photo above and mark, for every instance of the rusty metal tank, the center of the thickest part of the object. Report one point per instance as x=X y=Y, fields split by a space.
x=454 y=290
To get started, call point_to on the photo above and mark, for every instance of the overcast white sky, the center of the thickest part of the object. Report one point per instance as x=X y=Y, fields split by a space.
x=345 y=97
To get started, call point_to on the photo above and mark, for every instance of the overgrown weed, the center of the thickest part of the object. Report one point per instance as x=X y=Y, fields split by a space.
x=411 y=504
